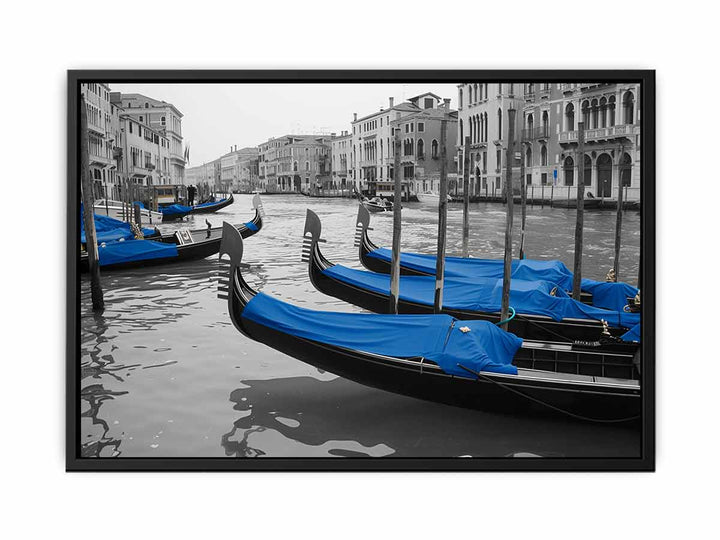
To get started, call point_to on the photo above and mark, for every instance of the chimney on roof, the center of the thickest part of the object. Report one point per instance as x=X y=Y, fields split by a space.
x=447 y=103
x=354 y=117
x=391 y=101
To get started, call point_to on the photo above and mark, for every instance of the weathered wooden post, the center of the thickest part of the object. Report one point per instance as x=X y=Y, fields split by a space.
x=552 y=194
x=397 y=224
x=466 y=197
x=507 y=269
x=618 y=219
x=442 y=214
x=542 y=196
x=91 y=247
x=577 y=267
x=523 y=202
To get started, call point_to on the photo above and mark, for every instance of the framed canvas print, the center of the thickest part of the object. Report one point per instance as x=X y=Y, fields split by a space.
x=360 y=270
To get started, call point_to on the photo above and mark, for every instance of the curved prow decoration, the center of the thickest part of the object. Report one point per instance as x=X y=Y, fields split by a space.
x=314 y=227
x=231 y=246
x=362 y=225
x=258 y=205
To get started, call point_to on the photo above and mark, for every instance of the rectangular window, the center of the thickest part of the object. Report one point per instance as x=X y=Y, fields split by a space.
x=421 y=126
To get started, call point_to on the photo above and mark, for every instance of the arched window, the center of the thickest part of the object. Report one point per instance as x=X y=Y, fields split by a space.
x=586 y=114
x=626 y=169
x=421 y=149
x=629 y=108
x=569 y=117
x=470 y=94
x=485 y=138
x=460 y=99
x=569 y=170
x=528 y=157
x=307 y=165
x=545 y=129
x=434 y=148
x=543 y=155
x=295 y=166
x=587 y=172
x=595 y=109
x=471 y=126
x=530 y=121
x=500 y=131
x=611 y=111
x=603 y=112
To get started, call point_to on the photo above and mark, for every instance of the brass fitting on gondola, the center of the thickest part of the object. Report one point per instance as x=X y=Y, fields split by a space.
x=637 y=299
x=606 y=327
x=553 y=292
x=137 y=231
x=610 y=277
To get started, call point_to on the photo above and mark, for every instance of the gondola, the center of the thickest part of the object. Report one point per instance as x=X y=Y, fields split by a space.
x=543 y=311
x=183 y=245
x=212 y=206
x=376 y=205
x=435 y=357
x=606 y=295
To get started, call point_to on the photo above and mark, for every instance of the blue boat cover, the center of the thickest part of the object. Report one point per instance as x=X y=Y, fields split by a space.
x=175 y=209
x=250 y=225
x=633 y=334
x=605 y=295
x=108 y=229
x=436 y=337
x=211 y=203
x=134 y=250
x=485 y=295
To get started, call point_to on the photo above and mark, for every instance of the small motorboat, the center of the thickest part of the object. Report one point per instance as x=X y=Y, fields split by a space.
x=377 y=204
x=182 y=245
x=431 y=197
x=541 y=309
x=118 y=210
x=607 y=295
x=434 y=357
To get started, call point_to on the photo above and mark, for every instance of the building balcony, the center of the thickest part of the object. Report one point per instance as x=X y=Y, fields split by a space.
x=600 y=134
x=536 y=133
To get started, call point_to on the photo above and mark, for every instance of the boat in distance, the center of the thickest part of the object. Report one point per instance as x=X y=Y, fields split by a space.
x=179 y=246
x=434 y=357
x=118 y=210
x=430 y=197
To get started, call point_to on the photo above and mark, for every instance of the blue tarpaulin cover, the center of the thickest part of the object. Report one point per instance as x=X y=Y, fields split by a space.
x=250 y=225
x=134 y=250
x=633 y=334
x=108 y=229
x=175 y=209
x=211 y=203
x=484 y=348
x=485 y=295
x=605 y=295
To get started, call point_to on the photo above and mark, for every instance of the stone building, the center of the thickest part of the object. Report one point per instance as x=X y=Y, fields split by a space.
x=162 y=117
x=295 y=163
x=145 y=153
x=104 y=138
x=372 y=157
x=483 y=116
x=239 y=169
x=341 y=162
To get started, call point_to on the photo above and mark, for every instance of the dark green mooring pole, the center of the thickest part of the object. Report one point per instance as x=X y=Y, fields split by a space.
x=618 y=219
x=507 y=269
x=577 y=267
x=96 y=293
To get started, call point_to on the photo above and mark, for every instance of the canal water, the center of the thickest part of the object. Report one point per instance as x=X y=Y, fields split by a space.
x=165 y=374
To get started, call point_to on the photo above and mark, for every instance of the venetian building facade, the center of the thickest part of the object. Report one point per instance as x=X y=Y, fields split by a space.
x=342 y=161
x=372 y=157
x=238 y=169
x=295 y=163
x=162 y=117
x=611 y=117
x=145 y=153
x=483 y=116
x=104 y=138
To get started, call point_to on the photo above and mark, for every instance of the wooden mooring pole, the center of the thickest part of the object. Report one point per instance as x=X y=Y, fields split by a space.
x=523 y=199
x=466 y=198
x=507 y=269
x=618 y=219
x=96 y=293
x=397 y=224
x=442 y=215
x=577 y=267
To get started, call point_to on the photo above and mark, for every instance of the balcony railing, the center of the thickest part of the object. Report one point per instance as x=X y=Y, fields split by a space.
x=540 y=132
x=611 y=132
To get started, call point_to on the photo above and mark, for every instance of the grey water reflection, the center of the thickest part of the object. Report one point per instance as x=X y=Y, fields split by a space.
x=165 y=374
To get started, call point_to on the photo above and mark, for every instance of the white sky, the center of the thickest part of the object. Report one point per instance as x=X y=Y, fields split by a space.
x=216 y=116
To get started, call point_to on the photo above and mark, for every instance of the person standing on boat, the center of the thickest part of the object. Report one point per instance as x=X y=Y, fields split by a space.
x=191 y=195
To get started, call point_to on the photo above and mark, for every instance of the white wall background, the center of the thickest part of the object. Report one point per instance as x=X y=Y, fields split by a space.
x=39 y=42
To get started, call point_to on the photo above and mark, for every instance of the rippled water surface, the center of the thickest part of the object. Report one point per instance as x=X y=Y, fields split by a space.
x=164 y=372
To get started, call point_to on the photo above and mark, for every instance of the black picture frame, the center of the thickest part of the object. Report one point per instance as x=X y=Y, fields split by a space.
x=646 y=461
